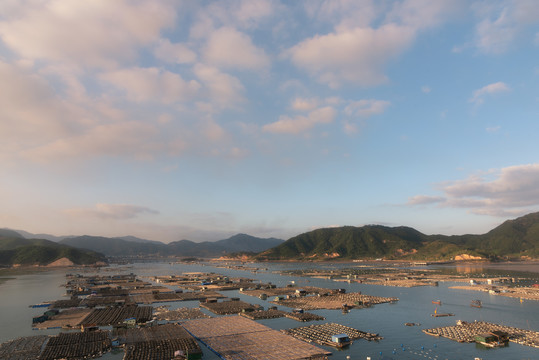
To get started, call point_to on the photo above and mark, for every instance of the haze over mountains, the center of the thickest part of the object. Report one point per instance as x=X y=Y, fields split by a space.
x=518 y=238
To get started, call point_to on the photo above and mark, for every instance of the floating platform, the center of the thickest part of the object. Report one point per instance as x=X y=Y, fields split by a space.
x=322 y=334
x=235 y=338
x=334 y=301
x=229 y=307
x=23 y=348
x=158 y=342
x=441 y=314
x=114 y=315
x=79 y=345
x=179 y=314
x=466 y=332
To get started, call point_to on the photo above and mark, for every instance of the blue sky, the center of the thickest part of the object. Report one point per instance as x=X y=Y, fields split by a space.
x=198 y=120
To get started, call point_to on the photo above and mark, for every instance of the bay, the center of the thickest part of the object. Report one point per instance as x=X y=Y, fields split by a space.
x=400 y=341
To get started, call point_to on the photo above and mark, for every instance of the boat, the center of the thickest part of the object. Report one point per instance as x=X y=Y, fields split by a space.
x=476 y=304
x=43 y=304
x=437 y=302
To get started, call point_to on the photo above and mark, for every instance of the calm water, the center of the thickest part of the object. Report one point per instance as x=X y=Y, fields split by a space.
x=386 y=319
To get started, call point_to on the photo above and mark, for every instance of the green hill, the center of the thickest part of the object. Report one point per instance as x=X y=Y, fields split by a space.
x=22 y=251
x=514 y=238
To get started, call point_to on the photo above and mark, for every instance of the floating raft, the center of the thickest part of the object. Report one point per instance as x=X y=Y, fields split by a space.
x=157 y=342
x=321 y=334
x=466 y=332
x=229 y=307
x=264 y=314
x=235 y=338
x=77 y=345
x=23 y=348
x=179 y=314
x=70 y=318
x=115 y=315
x=334 y=301
x=274 y=314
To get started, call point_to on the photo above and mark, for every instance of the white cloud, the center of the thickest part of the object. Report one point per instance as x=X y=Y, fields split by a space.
x=354 y=56
x=127 y=139
x=300 y=123
x=223 y=89
x=356 y=52
x=152 y=84
x=97 y=33
x=303 y=104
x=502 y=23
x=230 y=48
x=366 y=107
x=425 y=199
x=490 y=89
x=174 y=53
x=112 y=211
x=426 y=89
x=344 y=13
x=513 y=190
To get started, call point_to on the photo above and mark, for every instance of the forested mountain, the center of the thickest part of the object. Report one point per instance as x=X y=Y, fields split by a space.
x=21 y=251
x=182 y=248
x=513 y=238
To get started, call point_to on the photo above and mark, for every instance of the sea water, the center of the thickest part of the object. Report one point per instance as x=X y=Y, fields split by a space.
x=400 y=341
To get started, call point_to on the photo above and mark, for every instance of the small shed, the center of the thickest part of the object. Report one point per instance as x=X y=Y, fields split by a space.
x=341 y=339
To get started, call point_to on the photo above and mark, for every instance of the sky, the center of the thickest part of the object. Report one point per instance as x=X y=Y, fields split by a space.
x=198 y=120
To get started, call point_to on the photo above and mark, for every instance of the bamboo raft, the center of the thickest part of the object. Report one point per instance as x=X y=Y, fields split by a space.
x=229 y=307
x=466 y=332
x=115 y=315
x=334 y=301
x=237 y=338
x=179 y=314
x=321 y=334
x=264 y=314
x=23 y=348
x=157 y=342
x=77 y=345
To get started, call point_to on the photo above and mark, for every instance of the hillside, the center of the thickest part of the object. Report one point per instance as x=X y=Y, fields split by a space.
x=20 y=251
x=128 y=246
x=514 y=238
x=116 y=246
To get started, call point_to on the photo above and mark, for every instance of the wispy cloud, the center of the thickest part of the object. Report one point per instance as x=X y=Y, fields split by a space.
x=300 y=123
x=479 y=95
x=509 y=191
x=112 y=211
x=366 y=107
x=501 y=23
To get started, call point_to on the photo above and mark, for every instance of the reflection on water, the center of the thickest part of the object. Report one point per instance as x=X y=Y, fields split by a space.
x=469 y=268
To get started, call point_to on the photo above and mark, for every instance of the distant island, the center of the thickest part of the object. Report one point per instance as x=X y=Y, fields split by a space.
x=513 y=239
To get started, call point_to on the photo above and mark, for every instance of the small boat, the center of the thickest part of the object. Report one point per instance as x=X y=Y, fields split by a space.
x=476 y=304
x=437 y=302
x=43 y=304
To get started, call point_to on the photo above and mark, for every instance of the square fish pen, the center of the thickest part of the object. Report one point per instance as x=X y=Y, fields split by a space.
x=235 y=338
